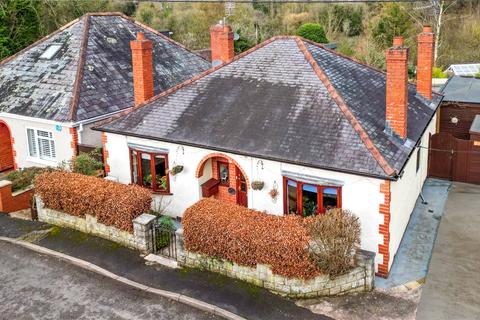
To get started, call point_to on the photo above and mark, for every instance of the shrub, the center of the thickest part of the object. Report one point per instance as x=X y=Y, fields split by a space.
x=22 y=178
x=334 y=237
x=438 y=73
x=249 y=237
x=312 y=31
x=113 y=203
x=87 y=163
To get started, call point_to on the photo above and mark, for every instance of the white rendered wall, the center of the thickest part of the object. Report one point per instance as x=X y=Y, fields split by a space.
x=406 y=190
x=90 y=137
x=61 y=135
x=359 y=194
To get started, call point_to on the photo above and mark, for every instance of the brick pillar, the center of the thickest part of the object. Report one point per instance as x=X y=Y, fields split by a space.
x=105 y=153
x=74 y=142
x=142 y=68
x=384 y=230
x=397 y=88
x=426 y=43
x=221 y=43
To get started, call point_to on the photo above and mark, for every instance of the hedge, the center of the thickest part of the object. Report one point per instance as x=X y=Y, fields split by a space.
x=113 y=203
x=249 y=237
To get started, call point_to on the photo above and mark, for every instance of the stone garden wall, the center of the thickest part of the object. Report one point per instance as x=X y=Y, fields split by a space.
x=359 y=279
x=141 y=238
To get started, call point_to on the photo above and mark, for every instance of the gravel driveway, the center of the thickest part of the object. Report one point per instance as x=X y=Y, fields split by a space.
x=36 y=286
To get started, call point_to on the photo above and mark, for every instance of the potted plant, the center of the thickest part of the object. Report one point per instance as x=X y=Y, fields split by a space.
x=257 y=185
x=176 y=170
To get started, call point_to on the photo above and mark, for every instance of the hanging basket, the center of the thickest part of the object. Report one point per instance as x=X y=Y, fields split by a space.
x=258 y=185
x=176 y=170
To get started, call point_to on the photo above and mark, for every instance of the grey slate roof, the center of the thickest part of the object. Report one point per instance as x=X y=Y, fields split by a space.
x=270 y=103
x=44 y=89
x=462 y=89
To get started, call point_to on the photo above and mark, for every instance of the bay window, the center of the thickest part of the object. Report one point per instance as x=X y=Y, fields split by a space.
x=308 y=199
x=150 y=170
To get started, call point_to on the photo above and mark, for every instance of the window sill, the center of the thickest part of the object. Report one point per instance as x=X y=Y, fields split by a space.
x=42 y=161
x=161 y=193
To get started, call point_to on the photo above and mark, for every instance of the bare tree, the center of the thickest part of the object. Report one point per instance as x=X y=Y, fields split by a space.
x=433 y=12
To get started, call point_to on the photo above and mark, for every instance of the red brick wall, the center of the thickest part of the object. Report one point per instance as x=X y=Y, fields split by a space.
x=142 y=68
x=9 y=203
x=426 y=41
x=105 y=153
x=384 y=230
x=221 y=43
x=397 y=81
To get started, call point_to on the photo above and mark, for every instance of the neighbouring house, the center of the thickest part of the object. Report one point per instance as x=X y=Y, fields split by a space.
x=54 y=90
x=466 y=69
x=460 y=105
x=309 y=128
x=455 y=148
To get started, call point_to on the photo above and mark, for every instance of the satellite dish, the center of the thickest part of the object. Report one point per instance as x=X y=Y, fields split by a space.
x=216 y=63
x=236 y=36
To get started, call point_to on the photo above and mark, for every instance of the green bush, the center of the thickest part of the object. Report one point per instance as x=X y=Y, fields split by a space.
x=312 y=31
x=87 y=163
x=22 y=178
x=438 y=73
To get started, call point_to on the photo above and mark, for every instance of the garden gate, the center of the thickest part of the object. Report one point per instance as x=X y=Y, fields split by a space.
x=164 y=240
x=454 y=159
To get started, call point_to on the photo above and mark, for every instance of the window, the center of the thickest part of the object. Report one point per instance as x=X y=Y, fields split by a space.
x=223 y=173
x=418 y=157
x=41 y=144
x=308 y=199
x=150 y=170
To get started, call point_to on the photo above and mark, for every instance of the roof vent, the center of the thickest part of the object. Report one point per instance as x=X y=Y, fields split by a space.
x=51 y=51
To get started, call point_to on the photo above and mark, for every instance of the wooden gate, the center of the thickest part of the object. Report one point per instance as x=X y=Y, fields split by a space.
x=454 y=159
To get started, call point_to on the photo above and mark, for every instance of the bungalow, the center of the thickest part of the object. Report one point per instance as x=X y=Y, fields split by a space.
x=54 y=90
x=289 y=127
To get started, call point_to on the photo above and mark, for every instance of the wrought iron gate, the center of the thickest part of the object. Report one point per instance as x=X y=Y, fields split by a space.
x=164 y=241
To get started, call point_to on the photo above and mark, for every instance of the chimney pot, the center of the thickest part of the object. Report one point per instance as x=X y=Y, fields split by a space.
x=142 y=67
x=398 y=41
x=427 y=29
x=397 y=88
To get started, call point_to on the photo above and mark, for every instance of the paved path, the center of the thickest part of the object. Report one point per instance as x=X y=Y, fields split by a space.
x=36 y=286
x=413 y=256
x=233 y=295
x=452 y=290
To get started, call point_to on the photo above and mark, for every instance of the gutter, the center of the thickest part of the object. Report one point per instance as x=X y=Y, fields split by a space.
x=248 y=154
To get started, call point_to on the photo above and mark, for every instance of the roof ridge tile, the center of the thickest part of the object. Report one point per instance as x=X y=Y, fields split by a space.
x=345 y=109
x=81 y=63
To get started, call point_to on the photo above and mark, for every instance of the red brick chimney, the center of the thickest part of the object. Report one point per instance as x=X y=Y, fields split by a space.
x=142 y=68
x=397 y=87
x=426 y=42
x=221 y=43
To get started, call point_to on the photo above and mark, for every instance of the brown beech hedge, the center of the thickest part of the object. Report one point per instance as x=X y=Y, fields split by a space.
x=248 y=237
x=113 y=203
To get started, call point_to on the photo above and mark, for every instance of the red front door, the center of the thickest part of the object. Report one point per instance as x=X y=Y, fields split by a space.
x=6 y=154
x=242 y=198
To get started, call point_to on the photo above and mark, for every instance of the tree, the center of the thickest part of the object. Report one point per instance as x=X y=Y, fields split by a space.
x=393 y=21
x=19 y=25
x=312 y=31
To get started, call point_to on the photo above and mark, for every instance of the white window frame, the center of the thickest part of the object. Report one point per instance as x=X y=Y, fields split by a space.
x=38 y=155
